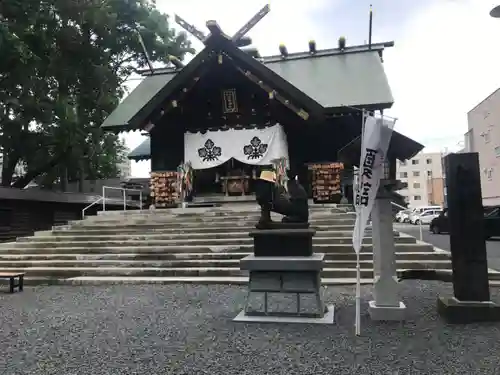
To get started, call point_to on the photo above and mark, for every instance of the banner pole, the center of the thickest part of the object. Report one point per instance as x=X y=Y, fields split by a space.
x=358 y=267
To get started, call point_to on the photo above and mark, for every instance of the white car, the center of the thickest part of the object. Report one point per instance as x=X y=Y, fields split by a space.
x=403 y=216
x=426 y=217
x=415 y=214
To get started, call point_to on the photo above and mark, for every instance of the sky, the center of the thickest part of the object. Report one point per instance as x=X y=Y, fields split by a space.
x=445 y=60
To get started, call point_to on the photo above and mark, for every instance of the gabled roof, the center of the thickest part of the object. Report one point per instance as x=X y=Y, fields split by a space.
x=355 y=77
x=141 y=152
x=136 y=100
x=328 y=79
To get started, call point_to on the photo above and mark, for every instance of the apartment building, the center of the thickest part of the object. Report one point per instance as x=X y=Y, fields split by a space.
x=424 y=176
x=483 y=137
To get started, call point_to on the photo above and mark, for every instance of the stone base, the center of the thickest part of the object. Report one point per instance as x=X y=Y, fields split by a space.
x=278 y=277
x=387 y=313
x=328 y=318
x=283 y=242
x=463 y=312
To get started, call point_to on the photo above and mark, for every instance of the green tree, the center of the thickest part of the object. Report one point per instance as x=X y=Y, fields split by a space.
x=67 y=61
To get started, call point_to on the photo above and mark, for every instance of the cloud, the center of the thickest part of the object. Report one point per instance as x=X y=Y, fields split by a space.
x=445 y=62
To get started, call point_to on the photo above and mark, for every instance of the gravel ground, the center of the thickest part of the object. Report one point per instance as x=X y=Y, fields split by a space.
x=181 y=329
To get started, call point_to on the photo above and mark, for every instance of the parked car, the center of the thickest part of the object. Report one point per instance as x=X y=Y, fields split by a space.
x=440 y=224
x=418 y=211
x=402 y=215
x=427 y=216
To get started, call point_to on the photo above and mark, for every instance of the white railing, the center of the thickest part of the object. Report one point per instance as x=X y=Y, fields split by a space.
x=399 y=206
x=90 y=205
x=124 y=194
x=103 y=198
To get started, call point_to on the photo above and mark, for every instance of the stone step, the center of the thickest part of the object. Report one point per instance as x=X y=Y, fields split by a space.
x=194 y=224
x=208 y=256
x=207 y=217
x=66 y=272
x=213 y=214
x=51 y=237
x=193 y=220
x=110 y=280
x=418 y=256
x=182 y=241
x=248 y=210
x=320 y=248
x=190 y=263
x=160 y=229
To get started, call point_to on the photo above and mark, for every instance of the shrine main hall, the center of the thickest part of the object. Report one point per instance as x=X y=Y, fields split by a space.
x=231 y=112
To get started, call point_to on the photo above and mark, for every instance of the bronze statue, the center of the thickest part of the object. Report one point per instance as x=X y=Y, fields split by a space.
x=292 y=202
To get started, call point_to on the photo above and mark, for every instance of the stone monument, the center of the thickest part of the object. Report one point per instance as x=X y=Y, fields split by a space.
x=471 y=301
x=283 y=263
x=386 y=304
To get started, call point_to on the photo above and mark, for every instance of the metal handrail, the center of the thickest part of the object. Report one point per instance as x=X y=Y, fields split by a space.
x=90 y=205
x=399 y=206
x=103 y=199
x=124 y=191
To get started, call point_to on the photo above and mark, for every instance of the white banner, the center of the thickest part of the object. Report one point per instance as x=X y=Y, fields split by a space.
x=249 y=146
x=374 y=145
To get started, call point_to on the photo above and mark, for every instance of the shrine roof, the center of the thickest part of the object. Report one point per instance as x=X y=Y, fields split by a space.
x=141 y=152
x=327 y=80
x=136 y=100
x=401 y=147
x=335 y=79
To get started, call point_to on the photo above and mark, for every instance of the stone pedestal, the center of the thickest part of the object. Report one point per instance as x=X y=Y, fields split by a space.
x=386 y=304
x=283 y=242
x=279 y=286
x=471 y=301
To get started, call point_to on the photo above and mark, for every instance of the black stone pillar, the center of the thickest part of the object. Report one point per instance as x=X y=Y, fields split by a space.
x=471 y=300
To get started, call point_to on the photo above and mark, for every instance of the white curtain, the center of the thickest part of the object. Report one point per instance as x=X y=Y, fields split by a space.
x=250 y=146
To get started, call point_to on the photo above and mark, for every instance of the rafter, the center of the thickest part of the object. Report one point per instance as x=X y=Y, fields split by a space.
x=190 y=28
x=250 y=24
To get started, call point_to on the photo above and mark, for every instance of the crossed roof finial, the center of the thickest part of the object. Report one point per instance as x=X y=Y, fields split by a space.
x=215 y=28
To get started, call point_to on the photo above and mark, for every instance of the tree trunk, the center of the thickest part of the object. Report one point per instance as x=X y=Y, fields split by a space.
x=30 y=175
x=64 y=179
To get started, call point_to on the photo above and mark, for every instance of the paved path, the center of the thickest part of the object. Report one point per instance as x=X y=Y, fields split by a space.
x=181 y=330
x=443 y=242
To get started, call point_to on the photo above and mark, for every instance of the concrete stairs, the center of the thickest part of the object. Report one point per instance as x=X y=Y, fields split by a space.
x=196 y=245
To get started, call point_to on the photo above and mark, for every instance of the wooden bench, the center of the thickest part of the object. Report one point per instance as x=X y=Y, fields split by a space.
x=16 y=279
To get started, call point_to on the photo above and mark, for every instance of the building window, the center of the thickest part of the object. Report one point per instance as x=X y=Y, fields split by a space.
x=403 y=175
x=497 y=151
x=428 y=161
x=429 y=173
x=417 y=198
x=416 y=185
x=402 y=163
x=416 y=174
x=414 y=162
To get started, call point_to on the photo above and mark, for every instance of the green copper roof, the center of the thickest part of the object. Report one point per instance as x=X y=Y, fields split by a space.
x=141 y=152
x=329 y=79
x=135 y=101
x=340 y=79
